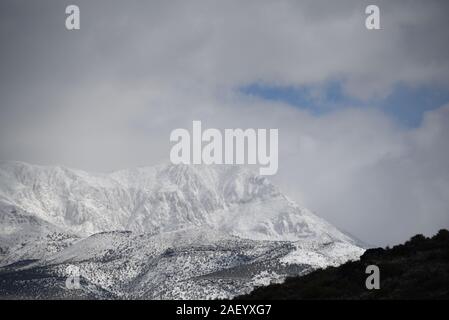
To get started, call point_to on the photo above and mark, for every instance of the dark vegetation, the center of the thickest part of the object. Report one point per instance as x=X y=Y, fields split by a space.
x=417 y=269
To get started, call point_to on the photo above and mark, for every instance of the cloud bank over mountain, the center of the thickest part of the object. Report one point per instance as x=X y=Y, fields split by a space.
x=107 y=96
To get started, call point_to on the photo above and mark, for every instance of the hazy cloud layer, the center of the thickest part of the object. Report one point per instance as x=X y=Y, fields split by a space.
x=107 y=96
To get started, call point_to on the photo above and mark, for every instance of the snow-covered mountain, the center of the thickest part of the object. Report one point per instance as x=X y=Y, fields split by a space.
x=159 y=199
x=46 y=211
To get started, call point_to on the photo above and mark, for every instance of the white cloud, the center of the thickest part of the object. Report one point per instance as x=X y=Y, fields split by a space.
x=108 y=96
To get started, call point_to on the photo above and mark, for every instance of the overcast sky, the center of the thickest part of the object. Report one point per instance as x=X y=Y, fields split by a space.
x=363 y=116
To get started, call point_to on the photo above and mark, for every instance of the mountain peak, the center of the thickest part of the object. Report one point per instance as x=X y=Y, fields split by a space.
x=133 y=225
x=167 y=197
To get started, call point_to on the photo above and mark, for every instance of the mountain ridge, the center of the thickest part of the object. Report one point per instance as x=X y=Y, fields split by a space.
x=151 y=198
x=220 y=230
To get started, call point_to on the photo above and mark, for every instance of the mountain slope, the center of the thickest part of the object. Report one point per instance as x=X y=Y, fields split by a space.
x=196 y=263
x=418 y=269
x=53 y=217
x=159 y=199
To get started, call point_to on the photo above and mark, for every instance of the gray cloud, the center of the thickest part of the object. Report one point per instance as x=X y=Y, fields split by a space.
x=107 y=96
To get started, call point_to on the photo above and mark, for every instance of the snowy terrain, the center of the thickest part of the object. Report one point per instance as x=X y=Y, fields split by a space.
x=170 y=231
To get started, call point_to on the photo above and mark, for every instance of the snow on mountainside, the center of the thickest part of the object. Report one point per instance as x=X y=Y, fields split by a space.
x=194 y=231
x=196 y=263
x=159 y=199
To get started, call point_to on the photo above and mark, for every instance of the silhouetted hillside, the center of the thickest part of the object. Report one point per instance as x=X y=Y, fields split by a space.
x=418 y=269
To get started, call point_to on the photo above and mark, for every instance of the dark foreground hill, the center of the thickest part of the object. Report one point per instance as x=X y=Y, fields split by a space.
x=418 y=269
